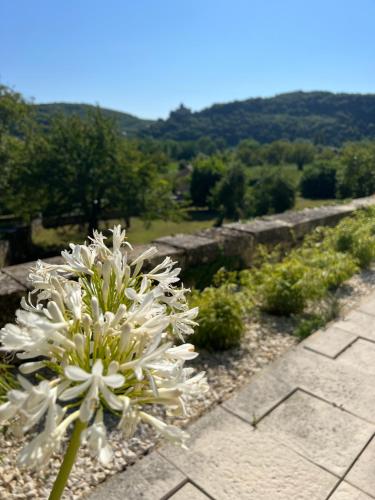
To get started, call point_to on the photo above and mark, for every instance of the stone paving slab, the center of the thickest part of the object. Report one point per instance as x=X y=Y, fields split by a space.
x=189 y=492
x=301 y=429
x=347 y=492
x=360 y=323
x=330 y=341
x=361 y=355
x=368 y=305
x=362 y=475
x=229 y=459
x=326 y=435
x=9 y=286
x=151 y=478
x=336 y=381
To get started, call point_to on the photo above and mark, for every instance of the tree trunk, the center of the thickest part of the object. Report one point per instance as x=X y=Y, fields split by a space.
x=94 y=217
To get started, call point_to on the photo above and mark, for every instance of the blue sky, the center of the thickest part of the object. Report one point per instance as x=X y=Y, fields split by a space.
x=147 y=56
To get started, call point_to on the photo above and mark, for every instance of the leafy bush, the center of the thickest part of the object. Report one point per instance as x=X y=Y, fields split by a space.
x=220 y=318
x=288 y=285
x=333 y=267
x=228 y=194
x=272 y=193
x=319 y=181
x=356 y=178
x=356 y=236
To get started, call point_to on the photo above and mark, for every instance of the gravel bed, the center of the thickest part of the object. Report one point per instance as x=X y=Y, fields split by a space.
x=266 y=338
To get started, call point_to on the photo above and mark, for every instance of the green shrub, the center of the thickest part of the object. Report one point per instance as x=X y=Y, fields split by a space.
x=271 y=194
x=355 y=236
x=332 y=267
x=318 y=181
x=220 y=318
x=288 y=285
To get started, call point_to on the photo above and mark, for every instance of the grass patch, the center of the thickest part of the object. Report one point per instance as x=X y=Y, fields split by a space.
x=55 y=239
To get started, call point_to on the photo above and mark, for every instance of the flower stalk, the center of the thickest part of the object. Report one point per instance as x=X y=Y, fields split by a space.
x=68 y=461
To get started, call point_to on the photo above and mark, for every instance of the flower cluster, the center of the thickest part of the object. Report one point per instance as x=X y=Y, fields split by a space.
x=97 y=335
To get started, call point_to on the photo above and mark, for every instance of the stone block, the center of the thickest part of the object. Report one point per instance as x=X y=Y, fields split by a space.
x=151 y=478
x=163 y=251
x=228 y=459
x=265 y=231
x=232 y=243
x=304 y=221
x=363 y=202
x=362 y=474
x=319 y=431
x=347 y=492
x=330 y=341
x=11 y=292
x=196 y=249
x=20 y=273
x=4 y=253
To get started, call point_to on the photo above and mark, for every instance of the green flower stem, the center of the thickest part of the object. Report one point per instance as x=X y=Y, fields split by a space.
x=69 y=459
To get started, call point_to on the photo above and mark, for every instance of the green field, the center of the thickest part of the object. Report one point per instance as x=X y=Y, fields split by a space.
x=139 y=233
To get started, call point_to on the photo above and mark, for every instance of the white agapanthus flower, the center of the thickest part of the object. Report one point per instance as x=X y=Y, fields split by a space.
x=100 y=334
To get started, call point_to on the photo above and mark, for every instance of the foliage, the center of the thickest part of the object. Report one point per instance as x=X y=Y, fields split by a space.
x=319 y=181
x=249 y=152
x=228 y=195
x=220 y=320
x=301 y=153
x=8 y=381
x=272 y=193
x=206 y=173
x=83 y=166
x=356 y=237
x=356 y=178
x=319 y=117
x=288 y=285
x=128 y=124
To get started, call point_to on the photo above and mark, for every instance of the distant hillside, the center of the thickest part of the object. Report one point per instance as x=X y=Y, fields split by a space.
x=129 y=124
x=322 y=117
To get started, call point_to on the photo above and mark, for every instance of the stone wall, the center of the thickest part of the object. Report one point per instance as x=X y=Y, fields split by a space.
x=233 y=243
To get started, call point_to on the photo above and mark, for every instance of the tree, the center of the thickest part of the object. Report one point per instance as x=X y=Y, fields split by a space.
x=248 y=152
x=318 y=181
x=84 y=166
x=272 y=193
x=356 y=177
x=228 y=196
x=15 y=121
x=207 y=171
x=301 y=153
x=276 y=152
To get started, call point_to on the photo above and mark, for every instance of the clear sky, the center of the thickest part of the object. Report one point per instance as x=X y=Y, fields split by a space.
x=147 y=56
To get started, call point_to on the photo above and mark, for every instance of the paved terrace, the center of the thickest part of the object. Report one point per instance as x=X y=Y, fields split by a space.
x=304 y=428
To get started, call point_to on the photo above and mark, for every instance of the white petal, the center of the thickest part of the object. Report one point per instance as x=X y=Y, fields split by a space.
x=97 y=369
x=116 y=380
x=74 y=392
x=76 y=373
x=113 y=401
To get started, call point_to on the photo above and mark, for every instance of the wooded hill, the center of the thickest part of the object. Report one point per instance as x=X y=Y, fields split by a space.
x=129 y=124
x=321 y=117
